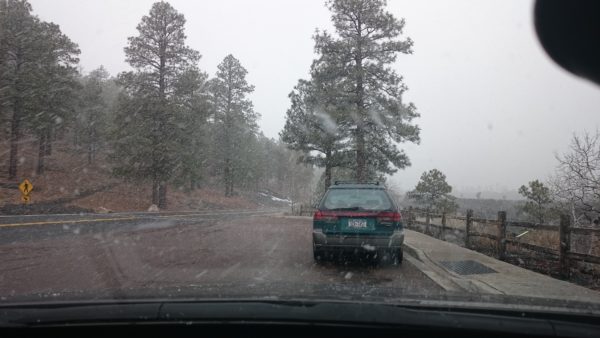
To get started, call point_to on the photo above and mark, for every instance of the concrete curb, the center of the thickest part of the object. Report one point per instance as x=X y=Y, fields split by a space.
x=417 y=258
x=442 y=282
x=445 y=279
x=507 y=279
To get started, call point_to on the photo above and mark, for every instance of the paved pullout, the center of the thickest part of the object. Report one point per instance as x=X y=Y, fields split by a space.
x=204 y=254
x=434 y=257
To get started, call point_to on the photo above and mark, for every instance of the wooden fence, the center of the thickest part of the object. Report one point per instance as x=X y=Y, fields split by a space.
x=496 y=232
x=302 y=209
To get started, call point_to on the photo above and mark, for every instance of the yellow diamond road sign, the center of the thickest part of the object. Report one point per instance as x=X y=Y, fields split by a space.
x=26 y=187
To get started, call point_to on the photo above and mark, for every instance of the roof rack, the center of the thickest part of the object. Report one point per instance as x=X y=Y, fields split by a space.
x=355 y=182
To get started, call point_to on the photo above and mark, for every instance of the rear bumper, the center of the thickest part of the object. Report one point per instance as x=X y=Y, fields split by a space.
x=369 y=243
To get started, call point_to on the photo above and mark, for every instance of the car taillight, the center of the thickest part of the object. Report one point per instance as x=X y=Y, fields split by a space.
x=325 y=216
x=388 y=218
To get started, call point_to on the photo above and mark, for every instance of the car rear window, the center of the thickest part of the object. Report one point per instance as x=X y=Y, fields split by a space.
x=359 y=199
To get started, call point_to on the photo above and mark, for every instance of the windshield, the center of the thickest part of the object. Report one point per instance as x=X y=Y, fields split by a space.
x=229 y=149
x=358 y=199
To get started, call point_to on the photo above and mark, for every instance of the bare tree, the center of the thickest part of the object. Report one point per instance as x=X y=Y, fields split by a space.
x=577 y=181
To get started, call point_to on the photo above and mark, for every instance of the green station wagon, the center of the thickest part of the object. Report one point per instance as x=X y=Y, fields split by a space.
x=357 y=218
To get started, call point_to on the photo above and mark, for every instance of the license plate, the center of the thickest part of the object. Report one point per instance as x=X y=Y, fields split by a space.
x=357 y=223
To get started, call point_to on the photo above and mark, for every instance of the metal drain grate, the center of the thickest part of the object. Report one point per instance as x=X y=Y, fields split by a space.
x=467 y=267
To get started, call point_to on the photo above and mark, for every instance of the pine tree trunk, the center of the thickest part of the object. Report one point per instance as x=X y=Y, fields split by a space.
x=155 y=192
x=90 y=154
x=192 y=182
x=160 y=187
x=48 y=142
x=227 y=177
x=41 y=152
x=327 y=169
x=14 y=144
x=225 y=180
x=360 y=138
x=360 y=157
x=162 y=195
x=231 y=181
x=75 y=138
x=90 y=147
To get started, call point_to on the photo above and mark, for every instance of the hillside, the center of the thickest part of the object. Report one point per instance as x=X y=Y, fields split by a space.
x=70 y=184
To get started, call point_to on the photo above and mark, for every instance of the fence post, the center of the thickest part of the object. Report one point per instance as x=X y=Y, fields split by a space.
x=468 y=225
x=501 y=235
x=427 y=221
x=565 y=245
x=443 y=235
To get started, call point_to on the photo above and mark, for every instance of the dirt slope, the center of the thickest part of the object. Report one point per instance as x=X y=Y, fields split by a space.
x=70 y=184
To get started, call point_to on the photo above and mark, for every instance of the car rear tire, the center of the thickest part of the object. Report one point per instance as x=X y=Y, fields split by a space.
x=318 y=255
x=398 y=257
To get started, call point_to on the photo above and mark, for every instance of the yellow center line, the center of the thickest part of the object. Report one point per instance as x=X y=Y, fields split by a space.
x=117 y=219
x=68 y=222
x=210 y=214
x=84 y=220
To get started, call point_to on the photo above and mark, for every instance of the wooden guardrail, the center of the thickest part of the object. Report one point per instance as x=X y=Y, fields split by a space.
x=498 y=234
x=302 y=209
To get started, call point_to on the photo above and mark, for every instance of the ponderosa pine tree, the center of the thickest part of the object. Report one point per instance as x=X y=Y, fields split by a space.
x=359 y=59
x=314 y=126
x=193 y=107
x=54 y=102
x=36 y=77
x=234 y=116
x=159 y=57
x=93 y=116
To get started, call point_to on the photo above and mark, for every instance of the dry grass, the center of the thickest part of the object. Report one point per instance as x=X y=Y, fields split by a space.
x=545 y=238
x=490 y=228
x=483 y=244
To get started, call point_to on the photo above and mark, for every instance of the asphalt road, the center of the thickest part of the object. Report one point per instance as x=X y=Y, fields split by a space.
x=191 y=254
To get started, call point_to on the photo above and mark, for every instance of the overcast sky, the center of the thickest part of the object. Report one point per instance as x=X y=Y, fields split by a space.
x=494 y=108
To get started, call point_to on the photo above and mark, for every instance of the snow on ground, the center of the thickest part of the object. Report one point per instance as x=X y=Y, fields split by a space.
x=281 y=200
x=276 y=199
